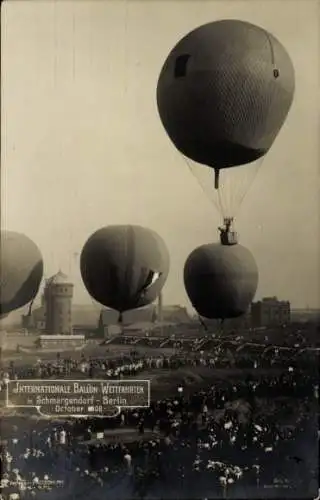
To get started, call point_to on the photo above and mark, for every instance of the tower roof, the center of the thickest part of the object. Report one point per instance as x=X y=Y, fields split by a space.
x=59 y=279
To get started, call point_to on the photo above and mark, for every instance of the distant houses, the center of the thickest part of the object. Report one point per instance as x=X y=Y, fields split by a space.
x=144 y=319
x=93 y=320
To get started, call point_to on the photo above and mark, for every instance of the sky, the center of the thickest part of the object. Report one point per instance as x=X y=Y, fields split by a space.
x=83 y=145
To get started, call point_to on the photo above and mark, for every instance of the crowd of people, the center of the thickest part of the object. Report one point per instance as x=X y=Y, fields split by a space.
x=219 y=355
x=229 y=438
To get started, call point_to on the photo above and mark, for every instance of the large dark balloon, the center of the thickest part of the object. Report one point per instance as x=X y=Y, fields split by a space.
x=21 y=271
x=224 y=93
x=221 y=280
x=124 y=267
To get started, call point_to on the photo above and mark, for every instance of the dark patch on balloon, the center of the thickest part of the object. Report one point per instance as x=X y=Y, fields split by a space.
x=181 y=66
x=227 y=154
x=220 y=307
x=276 y=73
x=218 y=312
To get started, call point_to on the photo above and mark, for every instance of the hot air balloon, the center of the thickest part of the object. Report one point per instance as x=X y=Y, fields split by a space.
x=223 y=95
x=124 y=267
x=220 y=280
x=20 y=273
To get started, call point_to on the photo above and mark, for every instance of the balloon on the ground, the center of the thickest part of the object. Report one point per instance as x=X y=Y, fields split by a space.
x=124 y=266
x=224 y=93
x=21 y=271
x=221 y=280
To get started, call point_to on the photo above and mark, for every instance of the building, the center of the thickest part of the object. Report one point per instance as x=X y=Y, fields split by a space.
x=61 y=342
x=84 y=319
x=58 y=294
x=36 y=320
x=270 y=312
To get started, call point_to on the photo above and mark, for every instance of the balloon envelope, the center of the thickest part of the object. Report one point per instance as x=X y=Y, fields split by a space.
x=221 y=280
x=224 y=93
x=124 y=266
x=21 y=271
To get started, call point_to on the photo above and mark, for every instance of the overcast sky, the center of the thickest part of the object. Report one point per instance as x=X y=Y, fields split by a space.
x=83 y=146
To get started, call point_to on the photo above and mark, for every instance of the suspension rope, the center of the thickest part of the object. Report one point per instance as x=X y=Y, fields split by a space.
x=212 y=202
x=274 y=66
